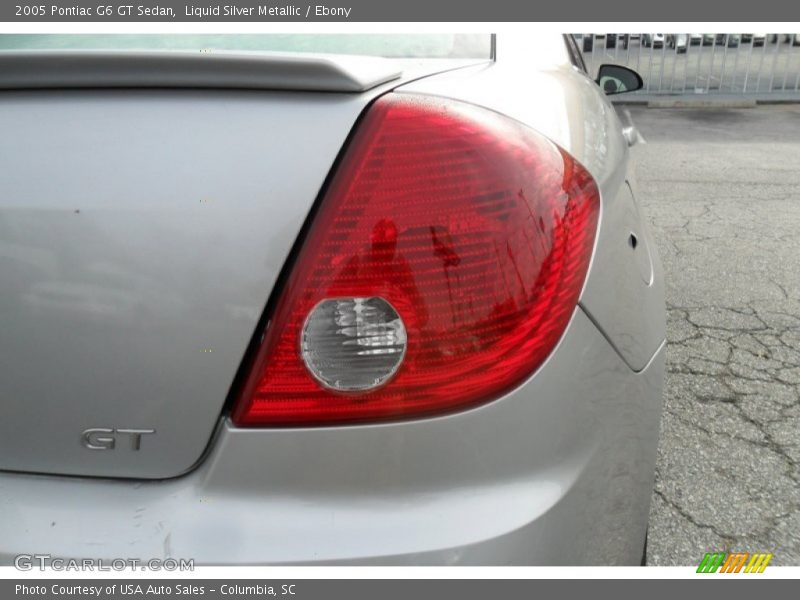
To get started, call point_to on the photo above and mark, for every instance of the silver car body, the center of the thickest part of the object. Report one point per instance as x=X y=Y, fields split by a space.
x=141 y=234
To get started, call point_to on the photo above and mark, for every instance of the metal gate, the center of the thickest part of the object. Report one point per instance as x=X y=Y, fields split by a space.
x=753 y=64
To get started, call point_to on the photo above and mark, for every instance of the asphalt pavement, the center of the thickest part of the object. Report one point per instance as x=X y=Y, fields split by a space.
x=721 y=189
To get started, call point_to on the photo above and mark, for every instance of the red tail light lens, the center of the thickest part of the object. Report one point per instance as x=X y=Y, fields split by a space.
x=474 y=229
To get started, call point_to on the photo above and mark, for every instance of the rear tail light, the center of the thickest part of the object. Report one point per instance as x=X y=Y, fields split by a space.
x=440 y=270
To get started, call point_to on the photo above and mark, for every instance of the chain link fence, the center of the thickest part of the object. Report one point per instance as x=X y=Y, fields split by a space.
x=748 y=64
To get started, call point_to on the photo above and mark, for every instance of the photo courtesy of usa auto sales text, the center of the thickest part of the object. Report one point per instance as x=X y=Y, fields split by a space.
x=134 y=589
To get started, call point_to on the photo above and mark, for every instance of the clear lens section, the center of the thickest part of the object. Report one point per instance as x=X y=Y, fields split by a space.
x=353 y=344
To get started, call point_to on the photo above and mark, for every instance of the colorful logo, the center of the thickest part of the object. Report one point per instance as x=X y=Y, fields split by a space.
x=734 y=562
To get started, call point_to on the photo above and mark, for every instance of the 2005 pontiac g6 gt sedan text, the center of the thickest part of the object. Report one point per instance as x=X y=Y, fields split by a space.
x=323 y=299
